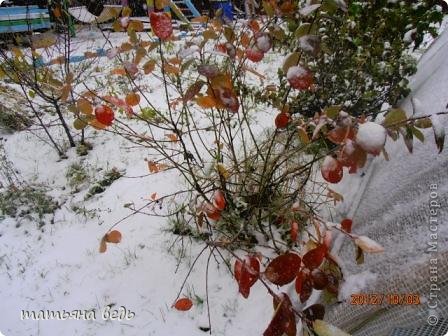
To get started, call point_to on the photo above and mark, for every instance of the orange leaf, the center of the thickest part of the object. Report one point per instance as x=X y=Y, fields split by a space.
x=96 y=124
x=149 y=66
x=172 y=137
x=153 y=167
x=103 y=245
x=171 y=69
x=113 y=237
x=118 y=71
x=183 y=304
x=245 y=40
x=206 y=102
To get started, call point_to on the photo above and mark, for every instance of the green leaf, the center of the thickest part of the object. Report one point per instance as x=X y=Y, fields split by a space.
x=332 y=111
x=423 y=123
x=302 y=30
x=394 y=118
x=268 y=9
x=322 y=328
x=32 y=94
x=418 y=134
x=359 y=255
x=148 y=113
x=229 y=34
x=79 y=124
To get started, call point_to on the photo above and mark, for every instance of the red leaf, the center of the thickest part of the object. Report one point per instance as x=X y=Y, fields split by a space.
x=307 y=289
x=346 y=225
x=211 y=212
x=283 y=269
x=284 y=321
x=282 y=120
x=104 y=115
x=219 y=200
x=183 y=304
x=294 y=231
x=299 y=282
x=161 y=25
x=313 y=258
x=338 y=135
x=331 y=170
x=247 y=274
x=320 y=279
x=299 y=78
x=254 y=54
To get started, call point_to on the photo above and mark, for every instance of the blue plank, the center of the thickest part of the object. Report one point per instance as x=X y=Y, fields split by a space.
x=24 y=28
x=22 y=10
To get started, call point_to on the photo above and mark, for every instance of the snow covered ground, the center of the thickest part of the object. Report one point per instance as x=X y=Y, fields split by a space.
x=58 y=267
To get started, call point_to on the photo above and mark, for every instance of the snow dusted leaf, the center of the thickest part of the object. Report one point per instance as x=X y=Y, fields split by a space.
x=310 y=44
x=284 y=321
x=394 y=117
x=183 y=304
x=314 y=312
x=307 y=10
x=371 y=137
x=299 y=78
x=439 y=131
x=291 y=60
x=283 y=269
x=322 y=328
x=113 y=237
x=368 y=245
x=313 y=258
x=331 y=170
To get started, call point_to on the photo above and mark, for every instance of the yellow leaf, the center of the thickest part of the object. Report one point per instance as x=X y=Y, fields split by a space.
x=303 y=135
x=322 y=328
x=222 y=170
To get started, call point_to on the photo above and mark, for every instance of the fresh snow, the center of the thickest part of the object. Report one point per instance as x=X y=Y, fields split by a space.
x=371 y=137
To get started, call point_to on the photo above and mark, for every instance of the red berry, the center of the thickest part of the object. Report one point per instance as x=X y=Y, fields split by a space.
x=282 y=120
x=299 y=78
x=161 y=25
x=104 y=115
x=255 y=55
